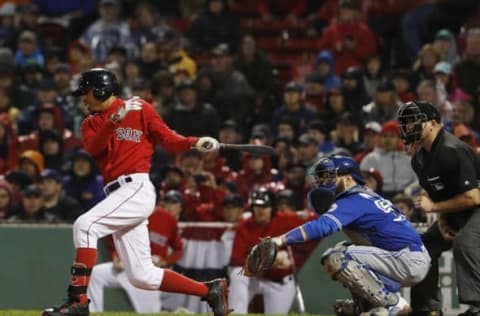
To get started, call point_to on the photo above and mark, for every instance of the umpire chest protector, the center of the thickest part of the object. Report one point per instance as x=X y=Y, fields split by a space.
x=449 y=169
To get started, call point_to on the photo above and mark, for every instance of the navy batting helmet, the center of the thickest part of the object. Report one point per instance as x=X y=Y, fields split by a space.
x=103 y=83
x=346 y=165
x=264 y=197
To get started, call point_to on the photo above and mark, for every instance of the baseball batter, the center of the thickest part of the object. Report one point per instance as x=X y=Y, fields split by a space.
x=120 y=135
x=277 y=286
x=166 y=248
x=387 y=254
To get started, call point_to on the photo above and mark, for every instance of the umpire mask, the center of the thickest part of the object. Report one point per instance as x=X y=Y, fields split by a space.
x=411 y=119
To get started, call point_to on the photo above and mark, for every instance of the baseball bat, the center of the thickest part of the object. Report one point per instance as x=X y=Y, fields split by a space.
x=299 y=294
x=249 y=148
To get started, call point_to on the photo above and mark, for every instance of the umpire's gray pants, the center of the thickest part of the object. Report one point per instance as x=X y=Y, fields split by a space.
x=466 y=252
x=405 y=266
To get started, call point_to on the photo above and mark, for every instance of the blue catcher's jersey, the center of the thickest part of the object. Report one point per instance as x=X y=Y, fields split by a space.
x=374 y=218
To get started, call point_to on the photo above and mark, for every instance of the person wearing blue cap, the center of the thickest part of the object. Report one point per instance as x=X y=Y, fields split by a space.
x=387 y=253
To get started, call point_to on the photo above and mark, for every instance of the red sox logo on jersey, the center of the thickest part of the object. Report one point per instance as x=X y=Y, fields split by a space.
x=129 y=134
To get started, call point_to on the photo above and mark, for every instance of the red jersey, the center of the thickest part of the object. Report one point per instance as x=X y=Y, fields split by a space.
x=163 y=231
x=248 y=234
x=127 y=147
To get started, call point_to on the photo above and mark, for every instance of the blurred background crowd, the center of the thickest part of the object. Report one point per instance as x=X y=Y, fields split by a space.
x=309 y=77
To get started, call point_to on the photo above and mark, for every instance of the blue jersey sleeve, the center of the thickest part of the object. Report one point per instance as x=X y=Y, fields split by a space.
x=345 y=211
x=316 y=229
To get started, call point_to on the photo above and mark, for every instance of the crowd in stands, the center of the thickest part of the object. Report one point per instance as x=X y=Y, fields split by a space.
x=309 y=78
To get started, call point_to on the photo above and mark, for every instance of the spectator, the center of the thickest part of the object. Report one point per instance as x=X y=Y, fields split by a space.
x=371 y=139
x=295 y=180
x=446 y=46
x=173 y=57
x=233 y=94
x=350 y=40
x=63 y=207
x=173 y=178
x=402 y=81
x=427 y=91
x=285 y=201
x=52 y=148
x=335 y=106
x=287 y=128
x=256 y=171
x=307 y=148
x=28 y=50
x=31 y=208
x=233 y=208
x=427 y=58
x=294 y=108
x=7 y=27
x=467 y=69
x=326 y=67
x=32 y=163
x=8 y=145
x=385 y=104
x=373 y=75
x=346 y=135
x=84 y=183
x=230 y=133
x=163 y=91
x=319 y=130
x=315 y=91
x=149 y=26
x=206 y=85
x=217 y=165
x=442 y=73
x=6 y=200
x=406 y=205
x=189 y=116
x=18 y=180
x=12 y=88
x=215 y=25
x=108 y=31
x=391 y=161
x=354 y=92
x=373 y=180
x=291 y=11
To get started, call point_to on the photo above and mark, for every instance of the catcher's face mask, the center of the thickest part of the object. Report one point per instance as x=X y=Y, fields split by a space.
x=411 y=120
x=325 y=174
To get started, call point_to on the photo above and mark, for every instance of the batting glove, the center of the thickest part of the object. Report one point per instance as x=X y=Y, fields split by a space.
x=207 y=144
x=133 y=104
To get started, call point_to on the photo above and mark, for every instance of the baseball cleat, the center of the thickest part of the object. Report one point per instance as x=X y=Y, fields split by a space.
x=217 y=297
x=70 y=308
x=346 y=307
x=400 y=309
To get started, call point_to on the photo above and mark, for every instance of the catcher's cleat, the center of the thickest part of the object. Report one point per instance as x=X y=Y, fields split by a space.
x=428 y=313
x=72 y=307
x=347 y=307
x=400 y=309
x=217 y=297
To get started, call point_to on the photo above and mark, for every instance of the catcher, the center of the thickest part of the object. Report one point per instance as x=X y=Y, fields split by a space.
x=277 y=284
x=387 y=254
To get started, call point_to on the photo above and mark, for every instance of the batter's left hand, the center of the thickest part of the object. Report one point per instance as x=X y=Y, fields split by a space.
x=424 y=203
x=207 y=144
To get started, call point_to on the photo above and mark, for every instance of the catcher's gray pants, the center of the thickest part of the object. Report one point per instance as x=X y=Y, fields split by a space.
x=405 y=266
x=425 y=296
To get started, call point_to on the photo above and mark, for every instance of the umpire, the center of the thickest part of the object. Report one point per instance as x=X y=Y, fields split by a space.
x=448 y=171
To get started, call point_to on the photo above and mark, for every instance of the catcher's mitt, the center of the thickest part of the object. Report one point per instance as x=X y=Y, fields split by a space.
x=261 y=257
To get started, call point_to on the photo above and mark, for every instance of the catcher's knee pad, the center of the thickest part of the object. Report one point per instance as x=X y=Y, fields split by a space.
x=360 y=280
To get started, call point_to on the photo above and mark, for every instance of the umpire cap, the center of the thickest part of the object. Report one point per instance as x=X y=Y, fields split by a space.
x=103 y=82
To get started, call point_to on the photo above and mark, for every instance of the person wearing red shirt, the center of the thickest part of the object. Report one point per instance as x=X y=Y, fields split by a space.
x=121 y=135
x=277 y=285
x=163 y=232
x=350 y=40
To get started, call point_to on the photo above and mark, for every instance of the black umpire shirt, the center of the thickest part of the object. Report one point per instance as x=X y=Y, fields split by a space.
x=450 y=168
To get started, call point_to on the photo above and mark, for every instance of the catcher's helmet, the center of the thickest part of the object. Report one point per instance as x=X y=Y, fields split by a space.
x=346 y=165
x=412 y=115
x=103 y=83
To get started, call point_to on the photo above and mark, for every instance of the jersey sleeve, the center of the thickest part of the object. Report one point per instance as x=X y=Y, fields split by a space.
x=461 y=162
x=344 y=211
x=96 y=141
x=163 y=135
